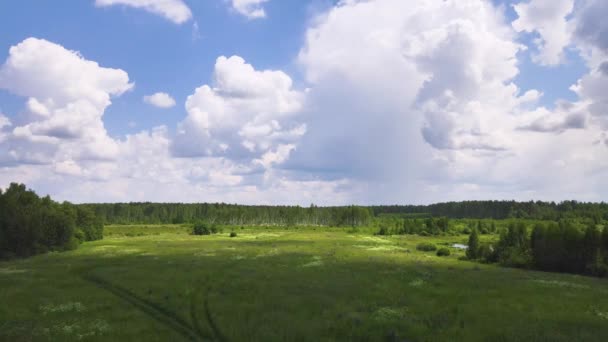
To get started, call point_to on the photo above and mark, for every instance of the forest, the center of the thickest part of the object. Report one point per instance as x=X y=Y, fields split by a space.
x=32 y=225
x=550 y=246
x=233 y=214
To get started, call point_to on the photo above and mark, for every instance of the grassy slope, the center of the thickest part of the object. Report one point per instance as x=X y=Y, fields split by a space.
x=272 y=284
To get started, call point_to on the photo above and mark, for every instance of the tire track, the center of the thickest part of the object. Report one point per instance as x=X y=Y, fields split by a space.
x=154 y=310
x=209 y=318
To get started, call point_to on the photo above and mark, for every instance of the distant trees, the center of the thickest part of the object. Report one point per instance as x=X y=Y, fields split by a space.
x=31 y=225
x=538 y=210
x=231 y=214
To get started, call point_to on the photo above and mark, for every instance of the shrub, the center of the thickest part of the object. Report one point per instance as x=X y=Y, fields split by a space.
x=443 y=252
x=201 y=228
x=214 y=229
x=383 y=231
x=515 y=257
x=426 y=247
x=232 y=234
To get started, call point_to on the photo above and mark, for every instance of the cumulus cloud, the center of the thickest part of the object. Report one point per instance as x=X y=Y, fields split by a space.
x=429 y=108
x=547 y=18
x=244 y=114
x=174 y=10
x=66 y=98
x=252 y=9
x=160 y=100
x=434 y=75
x=407 y=102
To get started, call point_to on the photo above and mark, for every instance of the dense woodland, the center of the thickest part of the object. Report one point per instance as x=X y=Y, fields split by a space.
x=503 y=210
x=553 y=247
x=232 y=214
x=31 y=225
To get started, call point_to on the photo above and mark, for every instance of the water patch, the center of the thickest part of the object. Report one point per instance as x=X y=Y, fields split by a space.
x=460 y=246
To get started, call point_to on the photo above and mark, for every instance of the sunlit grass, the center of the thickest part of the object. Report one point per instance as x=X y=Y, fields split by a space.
x=158 y=283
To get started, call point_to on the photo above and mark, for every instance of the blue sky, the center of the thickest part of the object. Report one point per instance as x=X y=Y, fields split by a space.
x=158 y=54
x=341 y=123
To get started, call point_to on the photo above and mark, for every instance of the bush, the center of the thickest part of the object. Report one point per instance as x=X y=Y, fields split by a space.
x=232 y=234
x=383 y=231
x=426 y=247
x=515 y=257
x=443 y=252
x=201 y=229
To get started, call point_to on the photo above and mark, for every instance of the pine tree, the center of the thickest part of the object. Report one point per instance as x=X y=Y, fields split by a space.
x=473 y=250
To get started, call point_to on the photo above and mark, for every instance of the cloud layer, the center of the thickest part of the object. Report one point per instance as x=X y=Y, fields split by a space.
x=400 y=102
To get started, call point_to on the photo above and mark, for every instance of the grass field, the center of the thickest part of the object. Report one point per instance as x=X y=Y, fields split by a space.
x=158 y=283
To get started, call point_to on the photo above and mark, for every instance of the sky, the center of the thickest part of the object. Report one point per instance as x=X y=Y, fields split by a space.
x=299 y=102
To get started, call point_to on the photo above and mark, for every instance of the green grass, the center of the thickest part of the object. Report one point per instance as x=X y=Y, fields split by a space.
x=158 y=283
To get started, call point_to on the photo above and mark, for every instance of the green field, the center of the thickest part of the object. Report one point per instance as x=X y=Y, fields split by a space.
x=158 y=283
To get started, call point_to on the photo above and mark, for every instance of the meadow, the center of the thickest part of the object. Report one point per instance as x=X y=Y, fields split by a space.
x=159 y=283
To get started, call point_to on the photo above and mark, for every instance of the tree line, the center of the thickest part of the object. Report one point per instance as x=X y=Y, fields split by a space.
x=230 y=214
x=233 y=214
x=499 y=210
x=31 y=225
x=552 y=246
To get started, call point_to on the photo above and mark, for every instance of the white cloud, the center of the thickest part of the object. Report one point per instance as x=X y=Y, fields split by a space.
x=417 y=101
x=174 y=10
x=252 y=9
x=160 y=100
x=432 y=76
x=67 y=96
x=548 y=18
x=244 y=114
x=408 y=102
